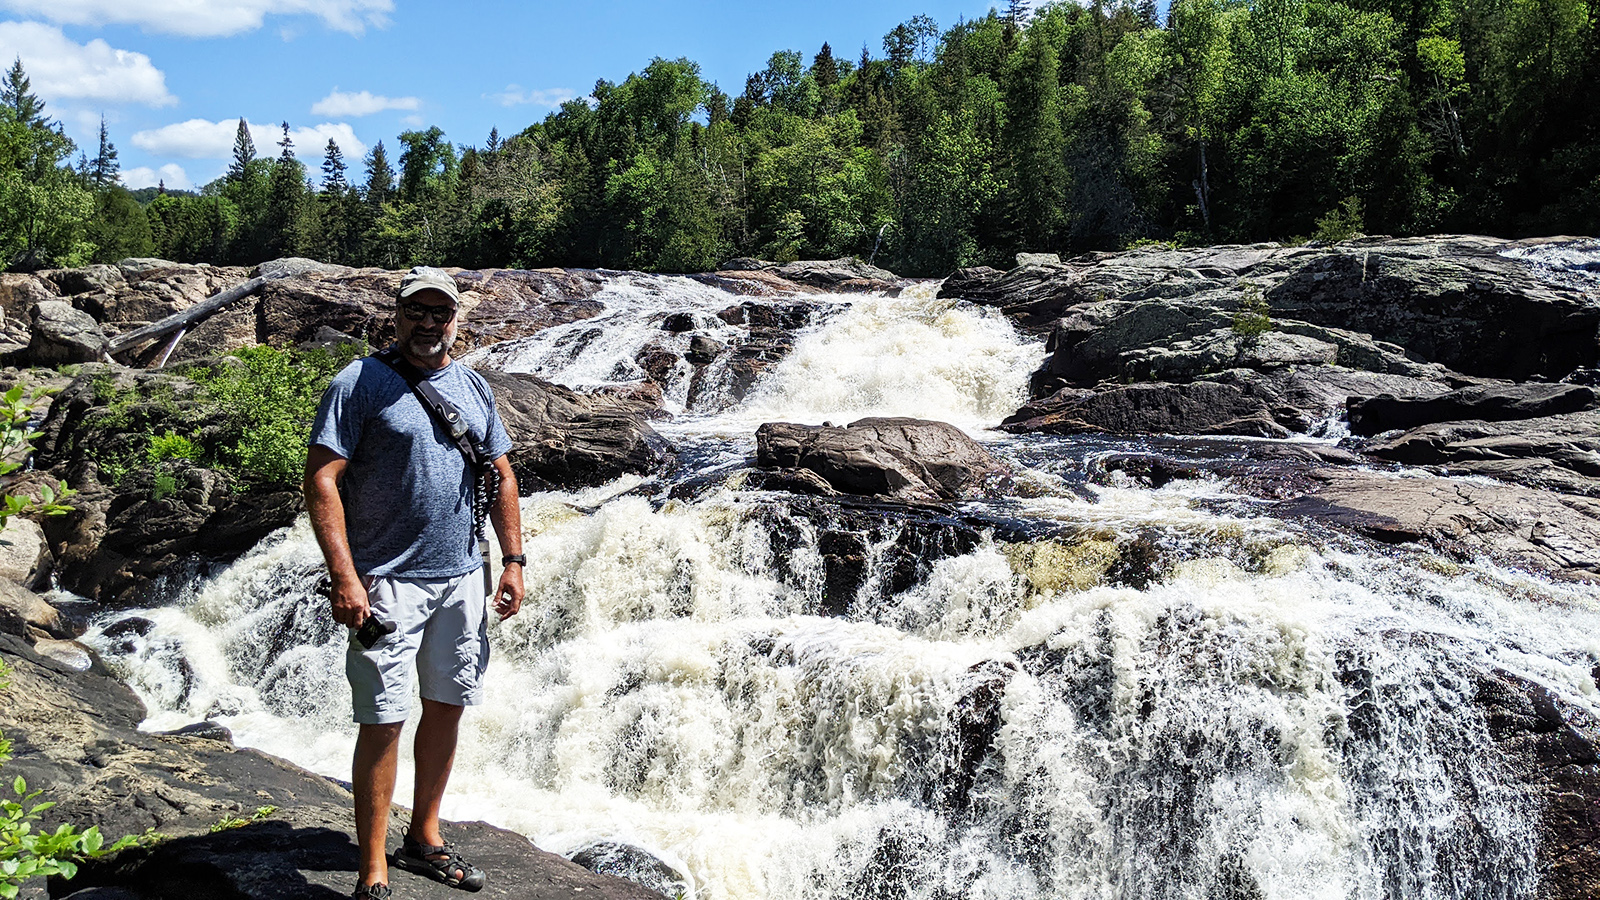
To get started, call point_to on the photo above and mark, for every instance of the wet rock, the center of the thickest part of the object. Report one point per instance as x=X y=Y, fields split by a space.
x=1551 y=746
x=1489 y=403
x=22 y=609
x=975 y=722
x=60 y=334
x=704 y=350
x=771 y=315
x=213 y=731
x=678 y=323
x=633 y=864
x=911 y=459
x=1204 y=408
x=1559 y=453
x=566 y=439
x=1540 y=530
x=76 y=737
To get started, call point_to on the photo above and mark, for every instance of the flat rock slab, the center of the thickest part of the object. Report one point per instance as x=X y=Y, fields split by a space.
x=75 y=737
x=1540 y=530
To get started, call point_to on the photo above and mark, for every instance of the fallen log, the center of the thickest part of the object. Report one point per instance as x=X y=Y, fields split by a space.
x=183 y=320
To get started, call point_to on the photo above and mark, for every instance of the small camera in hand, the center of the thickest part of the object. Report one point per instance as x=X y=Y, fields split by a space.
x=374 y=630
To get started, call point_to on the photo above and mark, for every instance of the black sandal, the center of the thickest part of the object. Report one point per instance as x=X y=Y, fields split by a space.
x=420 y=858
x=372 y=892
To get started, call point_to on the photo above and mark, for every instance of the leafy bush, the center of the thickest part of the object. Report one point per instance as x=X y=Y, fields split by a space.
x=1341 y=224
x=1253 y=318
x=267 y=405
x=16 y=440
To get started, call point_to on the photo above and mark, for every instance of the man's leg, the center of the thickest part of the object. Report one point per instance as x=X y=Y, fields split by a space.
x=435 y=750
x=372 y=775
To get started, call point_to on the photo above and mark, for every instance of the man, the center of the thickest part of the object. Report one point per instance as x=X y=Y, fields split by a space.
x=391 y=501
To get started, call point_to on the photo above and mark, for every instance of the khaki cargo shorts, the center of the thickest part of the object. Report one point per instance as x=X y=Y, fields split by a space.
x=442 y=635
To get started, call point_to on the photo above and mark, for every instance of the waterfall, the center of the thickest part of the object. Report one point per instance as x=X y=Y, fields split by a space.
x=1100 y=691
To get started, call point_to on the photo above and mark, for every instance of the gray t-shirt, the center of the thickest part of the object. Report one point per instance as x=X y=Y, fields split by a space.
x=407 y=491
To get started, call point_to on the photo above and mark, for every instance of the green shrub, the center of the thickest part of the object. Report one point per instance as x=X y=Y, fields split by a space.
x=1341 y=224
x=172 y=446
x=1252 y=319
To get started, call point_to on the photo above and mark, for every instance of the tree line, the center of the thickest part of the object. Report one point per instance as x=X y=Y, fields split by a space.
x=1078 y=127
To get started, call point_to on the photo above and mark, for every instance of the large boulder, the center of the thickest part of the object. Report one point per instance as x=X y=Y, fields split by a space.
x=1489 y=403
x=909 y=459
x=561 y=438
x=60 y=334
x=77 y=739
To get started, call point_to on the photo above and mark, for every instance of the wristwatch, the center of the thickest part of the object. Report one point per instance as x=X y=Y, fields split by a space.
x=517 y=558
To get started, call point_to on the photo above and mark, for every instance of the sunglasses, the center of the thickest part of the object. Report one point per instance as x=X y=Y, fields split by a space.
x=417 y=311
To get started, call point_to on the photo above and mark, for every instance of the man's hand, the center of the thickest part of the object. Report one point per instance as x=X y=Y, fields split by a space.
x=348 y=599
x=508 y=597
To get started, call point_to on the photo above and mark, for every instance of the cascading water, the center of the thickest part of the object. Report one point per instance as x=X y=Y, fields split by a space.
x=1077 y=692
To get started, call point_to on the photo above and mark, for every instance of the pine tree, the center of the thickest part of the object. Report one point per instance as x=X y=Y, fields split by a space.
x=244 y=150
x=493 y=145
x=285 y=145
x=1019 y=11
x=282 y=225
x=104 y=171
x=16 y=93
x=333 y=180
x=823 y=67
x=380 y=176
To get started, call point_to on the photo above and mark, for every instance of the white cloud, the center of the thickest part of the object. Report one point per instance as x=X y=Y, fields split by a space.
x=204 y=139
x=514 y=95
x=364 y=103
x=62 y=69
x=204 y=18
x=413 y=121
x=170 y=174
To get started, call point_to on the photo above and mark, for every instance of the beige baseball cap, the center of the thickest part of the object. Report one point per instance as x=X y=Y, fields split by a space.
x=427 y=278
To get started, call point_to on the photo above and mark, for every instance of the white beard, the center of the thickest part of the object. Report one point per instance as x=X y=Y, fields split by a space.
x=422 y=349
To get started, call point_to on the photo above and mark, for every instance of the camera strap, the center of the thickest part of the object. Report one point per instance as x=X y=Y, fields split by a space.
x=485 y=478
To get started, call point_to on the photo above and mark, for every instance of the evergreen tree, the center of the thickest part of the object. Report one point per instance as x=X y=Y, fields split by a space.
x=282 y=222
x=824 y=68
x=333 y=180
x=380 y=175
x=16 y=93
x=104 y=171
x=244 y=150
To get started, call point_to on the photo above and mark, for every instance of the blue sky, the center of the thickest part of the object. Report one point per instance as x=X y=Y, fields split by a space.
x=172 y=77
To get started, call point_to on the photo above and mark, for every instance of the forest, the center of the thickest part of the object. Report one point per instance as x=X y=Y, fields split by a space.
x=1067 y=128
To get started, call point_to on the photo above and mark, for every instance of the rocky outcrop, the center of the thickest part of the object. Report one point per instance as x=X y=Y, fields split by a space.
x=1560 y=453
x=845 y=274
x=1517 y=525
x=1489 y=403
x=76 y=737
x=1455 y=301
x=1201 y=407
x=910 y=459
x=563 y=439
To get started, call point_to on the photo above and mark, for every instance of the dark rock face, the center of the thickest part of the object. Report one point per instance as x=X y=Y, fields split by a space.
x=1489 y=403
x=1552 y=749
x=1198 y=408
x=565 y=439
x=76 y=737
x=910 y=459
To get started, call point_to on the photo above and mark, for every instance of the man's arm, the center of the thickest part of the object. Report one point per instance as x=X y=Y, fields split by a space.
x=348 y=597
x=506 y=514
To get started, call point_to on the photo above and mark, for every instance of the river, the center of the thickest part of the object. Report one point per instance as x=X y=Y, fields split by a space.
x=1002 y=707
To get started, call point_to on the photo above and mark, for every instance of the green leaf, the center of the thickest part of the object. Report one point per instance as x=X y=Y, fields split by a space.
x=20 y=786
